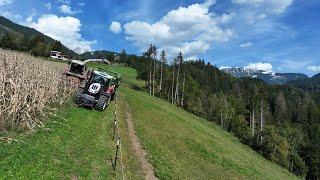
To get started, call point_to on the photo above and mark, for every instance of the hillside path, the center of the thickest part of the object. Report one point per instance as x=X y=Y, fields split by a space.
x=147 y=168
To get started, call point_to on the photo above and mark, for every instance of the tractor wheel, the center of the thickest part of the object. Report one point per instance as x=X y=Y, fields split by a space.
x=77 y=97
x=102 y=103
x=113 y=97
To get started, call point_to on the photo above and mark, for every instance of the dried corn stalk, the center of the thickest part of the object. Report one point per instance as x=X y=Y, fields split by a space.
x=27 y=86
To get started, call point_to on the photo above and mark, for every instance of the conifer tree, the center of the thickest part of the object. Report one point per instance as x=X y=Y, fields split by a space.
x=163 y=61
x=154 y=55
x=179 y=62
x=173 y=79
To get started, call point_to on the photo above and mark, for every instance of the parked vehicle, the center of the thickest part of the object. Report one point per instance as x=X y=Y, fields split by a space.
x=55 y=54
x=59 y=55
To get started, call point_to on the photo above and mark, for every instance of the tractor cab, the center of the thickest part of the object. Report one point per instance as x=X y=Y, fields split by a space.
x=102 y=78
x=77 y=68
x=98 y=91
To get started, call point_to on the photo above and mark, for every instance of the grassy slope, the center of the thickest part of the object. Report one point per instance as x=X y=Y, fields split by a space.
x=183 y=146
x=179 y=144
x=79 y=147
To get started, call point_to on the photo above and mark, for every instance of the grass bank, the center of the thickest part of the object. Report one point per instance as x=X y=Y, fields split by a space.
x=183 y=146
x=179 y=144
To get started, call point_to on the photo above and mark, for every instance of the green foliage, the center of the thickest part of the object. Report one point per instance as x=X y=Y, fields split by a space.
x=39 y=49
x=7 y=42
x=231 y=103
x=238 y=126
x=56 y=46
x=123 y=56
x=310 y=85
x=37 y=45
x=16 y=37
x=183 y=146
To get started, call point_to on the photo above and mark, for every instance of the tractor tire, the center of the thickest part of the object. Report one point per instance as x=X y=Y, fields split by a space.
x=113 y=97
x=102 y=103
x=77 y=97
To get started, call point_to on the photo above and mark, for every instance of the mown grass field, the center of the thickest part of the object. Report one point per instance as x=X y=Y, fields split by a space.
x=77 y=143
x=179 y=144
x=71 y=149
x=183 y=146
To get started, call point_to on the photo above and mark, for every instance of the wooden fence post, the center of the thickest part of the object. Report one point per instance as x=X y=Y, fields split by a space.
x=116 y=157
x=114 y=130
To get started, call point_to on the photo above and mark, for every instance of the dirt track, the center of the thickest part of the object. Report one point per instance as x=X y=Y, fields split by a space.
x=146 y=167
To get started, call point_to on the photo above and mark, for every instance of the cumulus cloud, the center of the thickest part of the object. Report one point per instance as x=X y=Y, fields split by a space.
x=66 y=9
x=267 y=67
x=314 y=68
x=224 y=67
x=29 y=19
x=190 y=29
x=246 y=45
x=5 y=2
x=115 y=27
x=10 y=15
x=225 y=18
x=64 y=29
x=63 y=1
x=271 y=6
x=81 y=4
x=48 y=6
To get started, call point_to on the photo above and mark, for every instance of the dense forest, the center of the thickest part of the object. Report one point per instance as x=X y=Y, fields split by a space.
x=35 y=45
x=16 y=37
x=281 y=122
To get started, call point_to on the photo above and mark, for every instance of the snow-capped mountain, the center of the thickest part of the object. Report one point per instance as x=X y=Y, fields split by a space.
x=267 y=76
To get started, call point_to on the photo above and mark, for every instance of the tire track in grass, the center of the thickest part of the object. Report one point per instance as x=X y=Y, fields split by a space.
x=146 y=166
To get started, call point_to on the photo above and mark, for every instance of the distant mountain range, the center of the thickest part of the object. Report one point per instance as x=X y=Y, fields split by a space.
x=268 y=77
x=21 y=33
x=102 y=54
x=310 y=85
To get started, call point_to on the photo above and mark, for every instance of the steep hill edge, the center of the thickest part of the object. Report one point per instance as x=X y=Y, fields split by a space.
x=181 y=145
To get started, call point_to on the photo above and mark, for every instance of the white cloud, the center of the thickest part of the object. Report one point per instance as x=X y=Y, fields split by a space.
x=314 y=68
x=224 y=67
x=261 y=16
x=270 y=6
x=29 y=19
x=12 y=16
x=267 y=67
x=48 y=6
x=115 y=27
x=225 y=18
x=5 y=2
x=67 y=9
x=190 y=29
x=63 y=1
x=246 y=45
x=64 y=29
x=252 y=17
x=81 y=4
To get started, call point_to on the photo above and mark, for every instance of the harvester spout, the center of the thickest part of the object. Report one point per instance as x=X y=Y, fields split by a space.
x=95 y=60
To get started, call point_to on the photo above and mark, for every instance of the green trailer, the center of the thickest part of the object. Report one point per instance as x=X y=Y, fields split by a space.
x=116 y=77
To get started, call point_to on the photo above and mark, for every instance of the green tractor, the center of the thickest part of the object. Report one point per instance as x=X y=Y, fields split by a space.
x=98 y=90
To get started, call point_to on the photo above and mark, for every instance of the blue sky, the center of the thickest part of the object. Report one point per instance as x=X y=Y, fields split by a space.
x=276 y=35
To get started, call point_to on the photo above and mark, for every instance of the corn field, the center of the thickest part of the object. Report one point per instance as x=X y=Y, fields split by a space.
x=27 y=87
